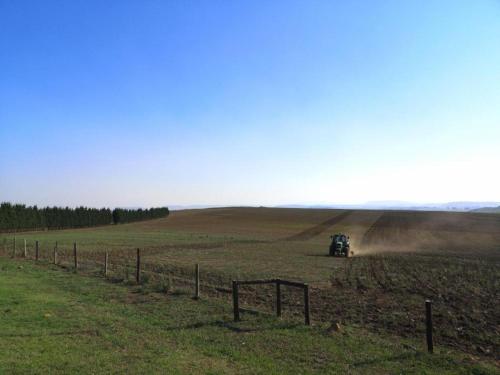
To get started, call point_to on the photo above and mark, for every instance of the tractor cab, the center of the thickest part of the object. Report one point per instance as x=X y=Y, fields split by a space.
x=340 y=245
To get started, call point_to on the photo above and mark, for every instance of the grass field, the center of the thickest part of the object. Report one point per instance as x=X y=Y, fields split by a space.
x=401 y=258
x=54 y=321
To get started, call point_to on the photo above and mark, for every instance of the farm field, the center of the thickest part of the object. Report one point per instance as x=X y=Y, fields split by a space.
x=400 y=259
x=282 y=242
x=63 y=323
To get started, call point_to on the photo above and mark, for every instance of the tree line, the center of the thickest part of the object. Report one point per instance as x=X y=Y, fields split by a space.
x=21 y=217
x=122 y=215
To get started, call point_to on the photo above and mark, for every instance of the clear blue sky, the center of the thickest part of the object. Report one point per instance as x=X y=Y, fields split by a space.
x=139 y=103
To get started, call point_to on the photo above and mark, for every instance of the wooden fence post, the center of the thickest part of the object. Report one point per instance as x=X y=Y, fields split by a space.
x=197 y=281
x=37 y=251
x=75 y=256
x=138 y=267
x=25 y=251
x=428 y=324
x=14 y=248
x=106 y=264
x=278 y=297
x=307 y=311
x=55 y=254
x=236 y=305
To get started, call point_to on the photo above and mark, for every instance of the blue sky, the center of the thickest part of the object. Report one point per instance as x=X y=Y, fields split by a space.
x=139 y=103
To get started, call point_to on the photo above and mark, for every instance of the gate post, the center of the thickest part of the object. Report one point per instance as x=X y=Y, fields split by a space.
x=236 y=305
x=138 y=267
x=307 y=311
x=75 y=256
x=197 y=281
x=428 y=324
x=278 y=297
x=106 y=264
x=55 y=254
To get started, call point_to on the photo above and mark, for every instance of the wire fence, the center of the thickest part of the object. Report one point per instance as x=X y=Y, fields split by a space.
x=125 y=266
x=376 y=293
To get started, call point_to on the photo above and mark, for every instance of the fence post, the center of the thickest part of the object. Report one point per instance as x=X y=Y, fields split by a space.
x=25 y=251
x=14 y=248
x=197 y=281
x=428 y=323
x=278 y=297
x=55 y=254
x=106 y=264
x=138 y=267
x=37 y=250
x=307 y=312
x=236 y=305
x=75 y=256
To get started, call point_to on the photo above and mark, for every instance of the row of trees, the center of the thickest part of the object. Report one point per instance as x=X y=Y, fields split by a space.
x=21 y=217
x=121 y=215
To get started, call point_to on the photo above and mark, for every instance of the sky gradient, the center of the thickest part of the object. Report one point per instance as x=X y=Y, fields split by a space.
x=147 y=103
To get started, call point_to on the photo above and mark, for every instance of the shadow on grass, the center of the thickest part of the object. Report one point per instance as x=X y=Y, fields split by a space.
x=387 y=358
x=115 y=279
x=44 y=334
x=236 y=327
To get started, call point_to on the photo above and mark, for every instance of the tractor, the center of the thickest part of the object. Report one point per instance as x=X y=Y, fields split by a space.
x=340 y=245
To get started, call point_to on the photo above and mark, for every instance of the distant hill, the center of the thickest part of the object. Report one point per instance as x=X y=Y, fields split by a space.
x=402 y=205
x=491 y=210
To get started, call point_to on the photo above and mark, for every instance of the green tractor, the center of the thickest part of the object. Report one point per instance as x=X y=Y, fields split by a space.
x=340 y=245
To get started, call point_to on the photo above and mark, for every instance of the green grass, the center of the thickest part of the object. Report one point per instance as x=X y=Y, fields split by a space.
x=55 y=321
